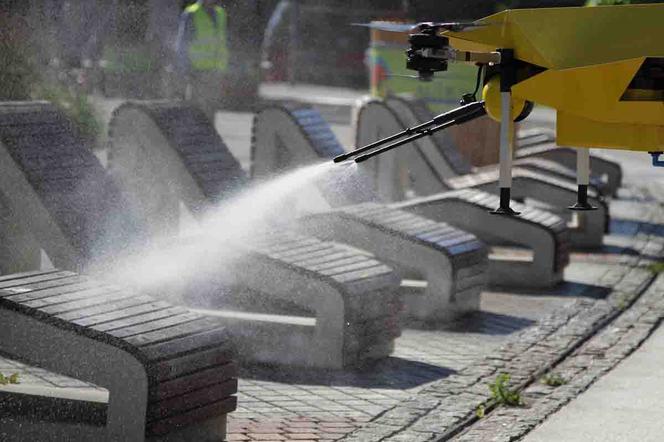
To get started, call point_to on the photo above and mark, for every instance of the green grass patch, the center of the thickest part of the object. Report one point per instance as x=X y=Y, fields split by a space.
x=656 y=267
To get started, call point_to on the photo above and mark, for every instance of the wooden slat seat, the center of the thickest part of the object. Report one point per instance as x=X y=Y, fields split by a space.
x=165 y=367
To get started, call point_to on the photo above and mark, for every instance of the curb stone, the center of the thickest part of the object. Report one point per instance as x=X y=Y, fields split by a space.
x=585 y=366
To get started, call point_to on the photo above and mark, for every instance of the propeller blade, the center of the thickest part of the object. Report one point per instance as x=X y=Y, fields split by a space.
x=415 y=77
x=410 y=27
x=387 y=26
x=456 y=26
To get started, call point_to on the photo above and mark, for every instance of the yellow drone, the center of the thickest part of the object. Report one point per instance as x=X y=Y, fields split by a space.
x=601 y=68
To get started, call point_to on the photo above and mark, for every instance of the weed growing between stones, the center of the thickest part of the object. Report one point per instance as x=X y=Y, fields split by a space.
x=11 y=379
x=502 y=394
x=656 y=267
x=480 y=411
x=553 y=379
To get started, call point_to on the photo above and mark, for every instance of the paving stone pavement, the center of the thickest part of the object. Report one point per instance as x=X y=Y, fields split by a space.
x=431 y=385
x=579 y=371
x=277 y=404
x=447 y=409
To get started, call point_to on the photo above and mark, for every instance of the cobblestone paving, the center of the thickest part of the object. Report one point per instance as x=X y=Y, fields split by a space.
x=443 y=409
x=596 y=357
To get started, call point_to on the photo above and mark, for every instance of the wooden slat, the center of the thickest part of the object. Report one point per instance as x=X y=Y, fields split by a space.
x=76 y=296
x=26 y=274
x=372 y=272
x=155 y=325
x=54 y=290
x=88 y=302
x=192 y=381
x=115 y=307
x=163 y=426
x=201 y=325
x=132 y=316
x=186 y=364
x=13 y=282
x=191 y=400
x=60 y=294
x=350 y=268
x=215 y=337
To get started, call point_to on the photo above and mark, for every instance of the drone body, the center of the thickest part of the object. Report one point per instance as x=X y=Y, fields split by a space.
x=601 y=68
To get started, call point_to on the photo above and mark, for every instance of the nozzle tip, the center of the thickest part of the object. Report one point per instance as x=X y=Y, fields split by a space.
x=338 y=159
x=361 y=158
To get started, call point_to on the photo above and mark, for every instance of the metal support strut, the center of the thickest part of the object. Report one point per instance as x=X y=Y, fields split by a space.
x=582 y=180
x=507 y=79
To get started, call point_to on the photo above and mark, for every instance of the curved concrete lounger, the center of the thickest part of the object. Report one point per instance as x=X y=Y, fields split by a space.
x=66 y=199
x=431 y=172
x=308 y=137
x=200 y=168
x=415 y=111
x=168 y=371
x=541 y=144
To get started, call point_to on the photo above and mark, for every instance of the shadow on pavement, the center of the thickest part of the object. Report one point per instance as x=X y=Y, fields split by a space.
x=391 y=373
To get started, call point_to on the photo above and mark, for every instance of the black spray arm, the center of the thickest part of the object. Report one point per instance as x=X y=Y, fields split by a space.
x=456 y=116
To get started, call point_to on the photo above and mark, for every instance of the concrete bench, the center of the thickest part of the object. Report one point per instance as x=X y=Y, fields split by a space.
x=62 y=201
x=431 y=171
x=174 y=146
x=169 y=372
x=540 y=143
x=306 y=136
x=313 y=303
x=451 y=261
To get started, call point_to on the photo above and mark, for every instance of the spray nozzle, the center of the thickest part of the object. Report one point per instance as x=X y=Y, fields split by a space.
x=456 y=116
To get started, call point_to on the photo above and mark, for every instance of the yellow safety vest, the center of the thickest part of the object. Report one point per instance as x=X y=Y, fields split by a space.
x=209 y=50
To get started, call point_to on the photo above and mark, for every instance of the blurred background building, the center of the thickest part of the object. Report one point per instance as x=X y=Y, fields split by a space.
x=62 y=50
x=127 y=45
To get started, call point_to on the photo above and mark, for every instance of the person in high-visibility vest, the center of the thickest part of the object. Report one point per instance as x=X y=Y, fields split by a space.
x=202 y=53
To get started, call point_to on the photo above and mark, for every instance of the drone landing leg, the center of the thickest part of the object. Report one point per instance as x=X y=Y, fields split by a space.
x=506 y=139
x=582 y=180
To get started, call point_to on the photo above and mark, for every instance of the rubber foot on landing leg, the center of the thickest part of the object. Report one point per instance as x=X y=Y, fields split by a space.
x=504 y=207
x=505 y=211
x=582 y=207
x=582 y=200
